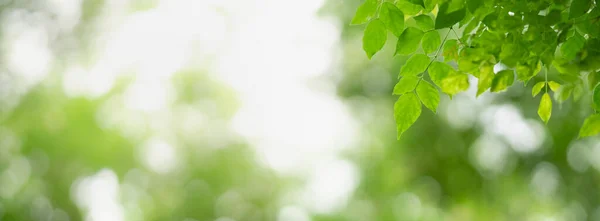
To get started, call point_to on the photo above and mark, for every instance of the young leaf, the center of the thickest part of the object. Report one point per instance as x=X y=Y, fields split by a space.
x=502 y=80
x=415 y=65
x=431 y=42
x=409 y=41
x=446 y=19
x=365 y=12
x=579 y=8
x=453 y=84
x=374 y=37
x=406 y=112
x=450 y=50
x=424 y=22
x=591 y=126
x=429 y=95
x=392 y=17
x=545 y=109
x=553 y=86
x=572 y=46
x=406 y=84
x=596 y=98
x=537 y=88
x=486 y=76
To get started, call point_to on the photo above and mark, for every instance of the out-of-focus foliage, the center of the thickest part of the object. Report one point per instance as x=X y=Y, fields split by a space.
x=521 y=36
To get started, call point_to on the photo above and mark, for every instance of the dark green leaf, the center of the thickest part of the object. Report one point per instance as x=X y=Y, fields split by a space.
x=418 y=2
x=429 y=95
x=579 y=8
x=415 y=65
x=473 y=5
x=374 y=37
x=596 y=98
x=431 y=42
x=365 y=12
x=392 y=17
x=572 y=46
x=446 y=18
x=424 y=22
x=406 y=84
x=502 y=80
x=409 y=41
x=408 y=7
x=591 y=126
x=545 y=108
x=406 y=112
x=537 y=88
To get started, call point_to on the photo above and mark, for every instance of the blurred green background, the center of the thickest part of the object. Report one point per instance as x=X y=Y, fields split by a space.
x=234 y=110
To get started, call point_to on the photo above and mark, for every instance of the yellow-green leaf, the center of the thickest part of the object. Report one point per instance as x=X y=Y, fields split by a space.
x=429 y=95
x=591 y=126
x=406 y=84
x=416 y=64
x=450 y=50
x=545 y=108
x=374 y=37
x=502 y=80
x=453 y=84
x=553 y=86
x=409 y=41
x=431 y=42
x=537 y=88
x=438 y=71
x=406 y=112
x=365 y=12
x=486 y=75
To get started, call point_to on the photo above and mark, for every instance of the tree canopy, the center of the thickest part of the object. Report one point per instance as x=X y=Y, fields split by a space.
x=497 y=42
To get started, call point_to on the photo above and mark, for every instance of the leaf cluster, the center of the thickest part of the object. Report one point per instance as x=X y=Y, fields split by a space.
x=527 y=38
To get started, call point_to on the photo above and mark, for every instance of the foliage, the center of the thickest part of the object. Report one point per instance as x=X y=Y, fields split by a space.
x=524 y=38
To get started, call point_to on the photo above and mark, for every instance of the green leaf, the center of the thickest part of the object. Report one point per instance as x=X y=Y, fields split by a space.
x=596 y=98
x=446 y=19
x=563 y=93
x=554 y=86
x=450 y=50
x=406 y=84
x=408 y=7
x=415 y=65
x=418 y=2
x=473 y=5
x=502 y=80
x=424 y=22
x=577 y=92
x=409 y=41
x=579 y=8
x=438 y=71
x=545 y=109
x=537 y=88
x=486 y=76
x=453 y=84
x=591 y=126
x=593 y=79
x=431 y=42
x=406 y=112
x=429 y=95
x=572 y=46
x=365 y=12
x=392 y=17
x=374 y=37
